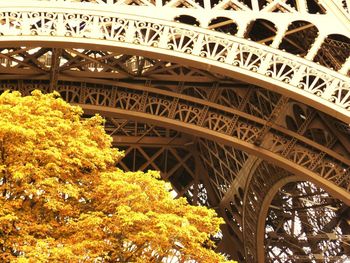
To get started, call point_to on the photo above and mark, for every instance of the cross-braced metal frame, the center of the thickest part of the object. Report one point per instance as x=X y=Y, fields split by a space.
x=243 y=105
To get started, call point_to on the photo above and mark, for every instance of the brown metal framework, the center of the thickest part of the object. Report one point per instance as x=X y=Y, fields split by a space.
x=258 y=132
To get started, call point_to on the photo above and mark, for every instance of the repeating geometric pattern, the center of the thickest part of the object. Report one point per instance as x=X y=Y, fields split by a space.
x=243 y=105
x=297 y=138
x=221 y=120
x=224 y=52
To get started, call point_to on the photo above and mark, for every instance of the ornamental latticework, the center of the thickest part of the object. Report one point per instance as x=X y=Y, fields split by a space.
x=243 y=105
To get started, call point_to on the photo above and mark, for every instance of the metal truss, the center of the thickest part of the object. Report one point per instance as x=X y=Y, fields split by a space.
x=148 y=147
x=173 y=154
x=304 y=223
x=299 y=221
x=96 y=65
x=91 y=25
x=244 y=117
x=243 y=105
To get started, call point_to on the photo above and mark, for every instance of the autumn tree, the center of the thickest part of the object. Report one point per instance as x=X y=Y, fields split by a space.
x=62 y=199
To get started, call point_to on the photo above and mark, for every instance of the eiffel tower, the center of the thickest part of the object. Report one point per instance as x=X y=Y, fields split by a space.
x=243 y=105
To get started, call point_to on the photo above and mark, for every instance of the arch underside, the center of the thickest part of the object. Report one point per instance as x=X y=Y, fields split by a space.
x=306 y=216
x=235 y=125
x=234 y=56
x=209 y=141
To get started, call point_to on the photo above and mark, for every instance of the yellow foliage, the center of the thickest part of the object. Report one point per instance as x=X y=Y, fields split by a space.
x=63 y=200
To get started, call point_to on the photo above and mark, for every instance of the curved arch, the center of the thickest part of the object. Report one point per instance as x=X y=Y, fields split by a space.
x=227 y=55
x=212 y=51
x=295 y=40
x=263 y=214
x=213 y=121
x=261 y=30
x=240 y=144
x=334 y=51
x=286 y=187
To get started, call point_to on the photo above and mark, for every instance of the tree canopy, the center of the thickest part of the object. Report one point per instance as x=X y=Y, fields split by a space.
x=62 y=199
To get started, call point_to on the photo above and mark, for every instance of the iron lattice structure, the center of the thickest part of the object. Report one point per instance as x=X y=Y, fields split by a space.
x=243 y=105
